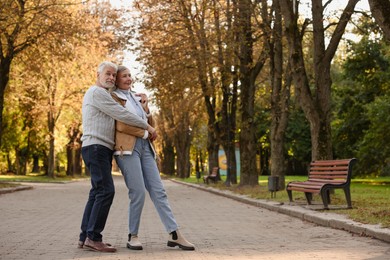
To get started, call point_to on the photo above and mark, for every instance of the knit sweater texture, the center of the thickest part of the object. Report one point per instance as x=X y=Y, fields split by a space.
x=99 y=113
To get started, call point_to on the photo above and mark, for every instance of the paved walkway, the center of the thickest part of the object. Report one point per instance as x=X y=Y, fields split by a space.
x=43 y=223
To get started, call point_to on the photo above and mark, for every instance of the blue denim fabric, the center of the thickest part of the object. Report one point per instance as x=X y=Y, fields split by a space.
x=140 y=171
x=98 y=160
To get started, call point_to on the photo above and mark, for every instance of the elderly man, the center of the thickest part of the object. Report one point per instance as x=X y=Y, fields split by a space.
x=99 y=113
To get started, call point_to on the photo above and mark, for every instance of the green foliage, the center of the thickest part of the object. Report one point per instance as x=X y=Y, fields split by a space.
x=298 y=136
x=361 y=99
x=374 y=151
x=298 y=142
x=367 y=65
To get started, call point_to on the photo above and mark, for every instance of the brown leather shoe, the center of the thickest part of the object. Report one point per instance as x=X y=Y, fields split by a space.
x=98 y=246
x=80 y=244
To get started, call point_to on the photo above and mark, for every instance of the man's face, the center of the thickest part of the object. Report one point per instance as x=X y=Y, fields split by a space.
x=106 y=79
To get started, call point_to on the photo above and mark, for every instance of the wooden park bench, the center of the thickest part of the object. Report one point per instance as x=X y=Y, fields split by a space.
x=212 y=176
x=323 y=177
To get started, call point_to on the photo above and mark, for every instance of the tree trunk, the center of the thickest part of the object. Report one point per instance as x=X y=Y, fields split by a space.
x=35 y=168
x=249 y=175
x=73 y=151
x=22 y=158
x=183 y=163
x=77 y=165
x=182 y=142
x=380 y=10
x=225 y=42
x=69 y=157
x=5 y=67
x=51 y=155
x=228 y=135
x=201 y=161
x=231 y=169
x=10 y=167
x=280 y=97
x=248 y=74
x=167 y=163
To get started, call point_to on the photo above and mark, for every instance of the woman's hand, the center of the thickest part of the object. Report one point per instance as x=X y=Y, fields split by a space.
x=144 y=101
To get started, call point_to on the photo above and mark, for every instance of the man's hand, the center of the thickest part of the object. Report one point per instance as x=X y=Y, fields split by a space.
x=152 y=133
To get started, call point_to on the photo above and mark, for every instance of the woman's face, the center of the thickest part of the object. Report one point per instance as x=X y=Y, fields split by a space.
x=123 y=80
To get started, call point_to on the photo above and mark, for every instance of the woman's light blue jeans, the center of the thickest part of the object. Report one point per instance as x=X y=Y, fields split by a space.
x=140 y=171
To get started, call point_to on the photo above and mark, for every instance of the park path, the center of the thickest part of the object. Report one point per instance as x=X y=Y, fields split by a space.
x=43 y=223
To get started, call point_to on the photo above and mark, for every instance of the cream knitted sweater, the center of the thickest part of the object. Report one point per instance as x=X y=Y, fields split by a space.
x=99 y=113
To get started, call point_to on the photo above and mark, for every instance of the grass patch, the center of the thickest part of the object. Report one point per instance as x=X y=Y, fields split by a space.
x=8 y=185
x=7 y=179
x=370 y=204
x=370 y=197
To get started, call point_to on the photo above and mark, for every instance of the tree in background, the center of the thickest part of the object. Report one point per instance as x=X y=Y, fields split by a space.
x=73 y=150
x=177 y=52
x=252 y=57
x=373 y=154
x=211 y=34
x=22 y=25
x=298 y=142
x=51 y=77
x=313 y=91
x=280 y=74
x=179 y=106
x=361 y=109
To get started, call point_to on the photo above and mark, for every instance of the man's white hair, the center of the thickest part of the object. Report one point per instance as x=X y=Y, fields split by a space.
x=105 y=64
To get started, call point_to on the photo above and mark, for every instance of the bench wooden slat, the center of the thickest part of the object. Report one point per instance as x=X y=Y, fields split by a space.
x=315 y=183
x=327 y=181
x=331 y=162
x=329 y=172
x=306 y=190
x=324 y=176
x=327 y=168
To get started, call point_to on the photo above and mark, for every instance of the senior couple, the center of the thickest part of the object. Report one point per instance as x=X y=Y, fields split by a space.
x=118 y=123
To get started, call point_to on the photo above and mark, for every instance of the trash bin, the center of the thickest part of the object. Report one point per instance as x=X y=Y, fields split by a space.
x=198 y=175
x=273 y=185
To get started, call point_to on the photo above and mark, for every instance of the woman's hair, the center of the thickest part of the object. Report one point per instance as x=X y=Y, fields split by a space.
x=105 y=64
x=121 y=68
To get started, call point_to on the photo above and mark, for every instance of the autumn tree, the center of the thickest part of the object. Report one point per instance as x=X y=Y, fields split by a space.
x=171 y=67
x=251 y=63
x=22 y=24
x=57 y=69
x=209 y=28
x=280 y=75
x=18 y=133
x=178 y=114
x=313 y=91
